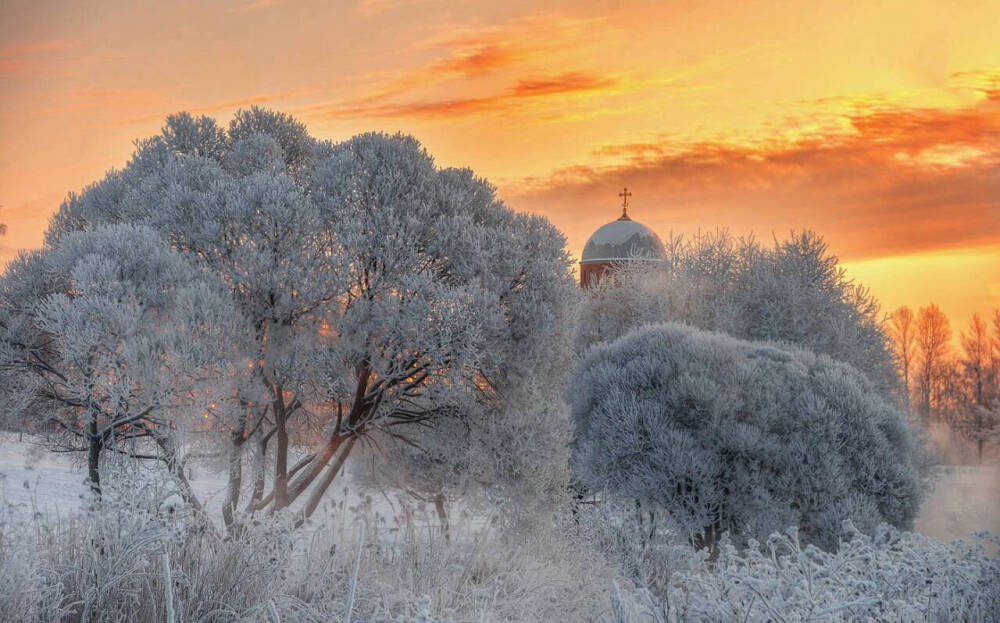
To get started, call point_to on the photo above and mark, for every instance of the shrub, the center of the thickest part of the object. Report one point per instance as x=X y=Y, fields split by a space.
x=107 y=565
x=729 y=435
x=891 y=576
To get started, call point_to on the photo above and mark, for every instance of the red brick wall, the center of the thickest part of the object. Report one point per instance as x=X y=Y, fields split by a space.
x=590 y=274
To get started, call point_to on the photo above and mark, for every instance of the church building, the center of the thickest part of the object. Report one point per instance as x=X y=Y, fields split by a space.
x=621 y=240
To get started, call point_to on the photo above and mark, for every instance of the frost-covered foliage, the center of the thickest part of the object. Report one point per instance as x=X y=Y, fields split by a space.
x=888 y=576
x=106 y=337
x=745 y=437
x=115 y=563
x=793 y=292
x=380 y=291
x=512 y=456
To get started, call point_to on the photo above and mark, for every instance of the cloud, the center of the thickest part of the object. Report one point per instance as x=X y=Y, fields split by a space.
x=27 y=57
x=520 y=53
x=510 y=99
x=880 y=181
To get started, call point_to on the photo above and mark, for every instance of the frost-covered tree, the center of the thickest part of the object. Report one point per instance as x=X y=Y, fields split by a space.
x=793 y=292
x=453 y=302
x=380 y=289
x=110 y=336
x=745 y=437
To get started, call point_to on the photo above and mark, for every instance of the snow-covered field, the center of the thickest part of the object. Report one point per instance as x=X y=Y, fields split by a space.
x=965 y=498
x=34 y=480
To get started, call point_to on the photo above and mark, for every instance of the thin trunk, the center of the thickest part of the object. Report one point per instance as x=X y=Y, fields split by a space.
x=299 y=485
x=442 y=514
x=235 y=481
x=280 y=451
x=176 y=468
x=355 y=421
x=259 y=470
x=331 y=473
x=96 y=445
x=980 y=406
x=709 y=539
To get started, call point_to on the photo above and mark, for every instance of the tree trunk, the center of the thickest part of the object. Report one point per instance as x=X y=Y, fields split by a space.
x=442 y=514
x=176 y=469
x=355 y=419
x=235 y=481
x=96 y=442
x=280 y=451
x=709 y=539
x=259 y=470
x=317 y=493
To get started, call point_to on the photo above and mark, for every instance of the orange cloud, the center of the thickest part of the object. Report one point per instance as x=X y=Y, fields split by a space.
x=524 y=46
x=507 y=100
x=895 y=180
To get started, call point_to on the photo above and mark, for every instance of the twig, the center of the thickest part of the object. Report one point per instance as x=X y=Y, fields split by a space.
x=354 y=577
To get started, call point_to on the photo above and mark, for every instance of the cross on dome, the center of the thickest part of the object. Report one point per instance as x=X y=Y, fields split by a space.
x=624 y=194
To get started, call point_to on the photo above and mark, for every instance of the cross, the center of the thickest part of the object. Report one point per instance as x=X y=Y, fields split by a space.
x=625 y=194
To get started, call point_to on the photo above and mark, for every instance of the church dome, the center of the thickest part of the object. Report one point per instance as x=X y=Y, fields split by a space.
x=623 y=239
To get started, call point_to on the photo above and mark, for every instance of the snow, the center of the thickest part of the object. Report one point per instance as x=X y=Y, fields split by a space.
x=964 y=499
x=622 y=240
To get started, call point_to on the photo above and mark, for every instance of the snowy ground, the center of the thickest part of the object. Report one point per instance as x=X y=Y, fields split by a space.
x=965 y=498
x=34 y=480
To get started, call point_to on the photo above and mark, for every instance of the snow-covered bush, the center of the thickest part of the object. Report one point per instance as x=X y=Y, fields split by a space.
x=888 y=576
x=793 y=292
x=729 y=435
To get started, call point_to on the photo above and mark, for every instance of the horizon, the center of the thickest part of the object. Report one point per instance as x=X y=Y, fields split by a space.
x=877 y=127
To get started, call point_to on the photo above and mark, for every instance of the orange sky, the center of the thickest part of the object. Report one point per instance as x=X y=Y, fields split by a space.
x=875 y=123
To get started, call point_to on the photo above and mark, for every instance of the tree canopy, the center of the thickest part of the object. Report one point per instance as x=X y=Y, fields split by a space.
x=792 y=292
x=738 y=436
x=378 y=289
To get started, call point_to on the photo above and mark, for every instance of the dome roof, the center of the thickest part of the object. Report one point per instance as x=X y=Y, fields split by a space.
x=623 y=239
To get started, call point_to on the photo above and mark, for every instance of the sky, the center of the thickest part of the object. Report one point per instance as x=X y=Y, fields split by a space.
x=875 y=123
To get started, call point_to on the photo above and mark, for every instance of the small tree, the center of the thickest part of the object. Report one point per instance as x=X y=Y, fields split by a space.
x=744 y=437
x=106 y=338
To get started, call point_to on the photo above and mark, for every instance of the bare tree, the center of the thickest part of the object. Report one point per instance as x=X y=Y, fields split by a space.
x=933 y=339
x=977 y=348
x=903 y=332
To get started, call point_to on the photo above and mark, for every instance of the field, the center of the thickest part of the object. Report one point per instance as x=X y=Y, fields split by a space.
x=964 y=499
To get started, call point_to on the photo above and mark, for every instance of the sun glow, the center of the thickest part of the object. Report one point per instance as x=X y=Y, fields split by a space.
x=877 y=126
